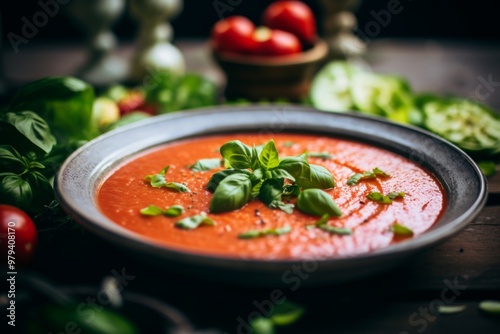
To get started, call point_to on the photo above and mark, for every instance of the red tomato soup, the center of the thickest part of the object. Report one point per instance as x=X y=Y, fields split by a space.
x=125 y=192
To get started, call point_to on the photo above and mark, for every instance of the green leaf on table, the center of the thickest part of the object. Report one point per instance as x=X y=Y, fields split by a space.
x=64 y=102
x=286 y=313
x=190 y=223
x=490 y=306
x=26 y=131
x=206 y=164
x=252 y=234
x=451 y=309
x=11 y=160
x=316 y=202
x=233 y=192
x=237 y=154
x=15 y=190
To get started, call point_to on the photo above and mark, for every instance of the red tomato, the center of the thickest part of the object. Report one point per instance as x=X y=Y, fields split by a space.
x=292 y=16
x=18 y=236
x=276 y=42
x=234 y=34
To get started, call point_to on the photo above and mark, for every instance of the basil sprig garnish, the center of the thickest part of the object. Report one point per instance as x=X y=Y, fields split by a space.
x=316 y=202
x=159 y=180
x=259 y=172
x=206 y=164
x=366 y=175
x=190 y=223
x=385 y=199
x=322 y=224
x=261 y=233
x=153 y=210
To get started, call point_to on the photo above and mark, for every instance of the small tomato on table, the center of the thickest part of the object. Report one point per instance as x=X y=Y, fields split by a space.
x=16 y=225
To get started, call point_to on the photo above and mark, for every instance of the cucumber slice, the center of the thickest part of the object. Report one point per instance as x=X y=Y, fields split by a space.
x=467 y=124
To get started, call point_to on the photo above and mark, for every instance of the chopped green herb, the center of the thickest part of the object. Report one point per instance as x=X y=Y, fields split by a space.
x=282 y=314
x=451 y=309
x=401 y=230
x=287 y=144
x=206 y=164
x=261 y=233
x=322 y=224
x=490 y=307
x=153 y=210
x=190 y=223
x=378 y=197
x=366 y=175
x=262 y=326
x=159 y=180
x=320 y=155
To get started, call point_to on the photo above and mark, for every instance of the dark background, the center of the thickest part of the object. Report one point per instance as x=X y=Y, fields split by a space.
x=440 y=19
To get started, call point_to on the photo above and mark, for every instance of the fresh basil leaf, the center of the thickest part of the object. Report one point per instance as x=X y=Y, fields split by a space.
x=179 y=187
x=320 y=177
x=256 y=188
x=401 y=230
x=490 y=306
x=262 y=233
x=64 y=102
x=42 y=191
x=269 y=157
x=11 y=160
x=320 y=155
x=323 y=220
x=450 y=309
x=15 y=191
x=232 y=193
x=316 y=202
x=291 y=190
x=378 y=172
x=396 y=194
x=206 y=164
x=152 y=210
x=285 y=207
x=297 y=166
x=287 y=144
x=366 y=175
x=174 y=211
x=354 y=179
x=217 y=178
x=379 y=198
x=279 y=173
x=27 y=131
x=336 y=230
x=286 y=313
x=193 y=222
x=238 y=154
x=158 y=180
x=271 y=190
x=256 y=176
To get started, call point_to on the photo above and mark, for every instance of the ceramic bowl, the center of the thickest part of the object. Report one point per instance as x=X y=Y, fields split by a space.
x=257 y=78
x=84 y=171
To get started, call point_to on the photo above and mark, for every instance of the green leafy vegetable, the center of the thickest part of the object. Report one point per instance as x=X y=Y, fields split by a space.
x=153 y=210
x=401 y=230
x=237 y=154
x=269 y=157
x=261 y=233
x=232 y=193
x=193 y=222
x=159 y=180
x=316 y=202
x=206 y=164
x=320 y=155
x=322 y=224
x=283 y=314
x=320 y=177
x=378 y=197
x=27 y=131
x=217 y=178
x=296 y=166
x=64 y=102
x=366 y=175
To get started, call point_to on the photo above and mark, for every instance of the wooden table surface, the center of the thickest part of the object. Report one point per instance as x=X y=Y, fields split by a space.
x=463 y=270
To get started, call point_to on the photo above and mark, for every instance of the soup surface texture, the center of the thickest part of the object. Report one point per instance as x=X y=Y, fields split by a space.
x=125 y=192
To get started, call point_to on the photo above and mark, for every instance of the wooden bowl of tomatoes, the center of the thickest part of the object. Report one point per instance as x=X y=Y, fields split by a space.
x=271 y=62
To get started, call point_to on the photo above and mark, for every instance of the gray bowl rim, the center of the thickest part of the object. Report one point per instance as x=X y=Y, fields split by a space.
x=100 y=225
